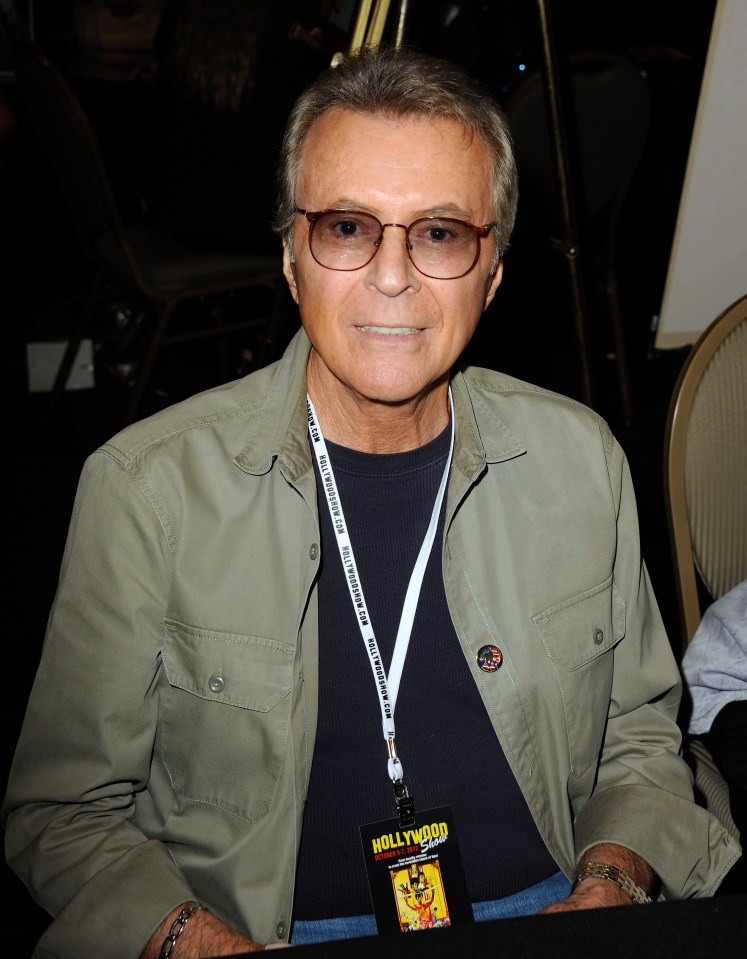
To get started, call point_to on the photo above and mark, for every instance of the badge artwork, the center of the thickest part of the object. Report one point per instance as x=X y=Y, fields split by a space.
x=421 y=903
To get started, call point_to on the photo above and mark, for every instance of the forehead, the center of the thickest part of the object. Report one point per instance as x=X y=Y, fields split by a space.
x=410 y=162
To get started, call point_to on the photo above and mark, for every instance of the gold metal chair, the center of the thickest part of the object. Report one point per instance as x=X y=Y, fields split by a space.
x=130 y=257
x=705 y=462
x=705 y=483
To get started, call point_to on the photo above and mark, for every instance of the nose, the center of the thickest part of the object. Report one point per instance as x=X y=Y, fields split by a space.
x=391 y=271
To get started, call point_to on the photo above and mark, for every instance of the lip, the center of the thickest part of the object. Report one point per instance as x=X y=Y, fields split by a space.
x=389 y=331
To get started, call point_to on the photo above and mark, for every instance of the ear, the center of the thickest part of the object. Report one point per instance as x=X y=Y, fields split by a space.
x=495 y=282
x=289 y=271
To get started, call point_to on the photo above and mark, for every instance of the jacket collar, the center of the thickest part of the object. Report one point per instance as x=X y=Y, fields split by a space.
x=280 y=430
x=281 y=427
x=481 y=437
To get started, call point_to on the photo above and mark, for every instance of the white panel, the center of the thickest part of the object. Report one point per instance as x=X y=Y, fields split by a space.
x=44 y=360
x=708 y=265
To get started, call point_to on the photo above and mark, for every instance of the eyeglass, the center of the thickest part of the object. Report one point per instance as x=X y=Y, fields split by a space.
x=439 y=247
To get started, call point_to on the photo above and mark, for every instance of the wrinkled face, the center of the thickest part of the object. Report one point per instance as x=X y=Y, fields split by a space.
x=386 y=333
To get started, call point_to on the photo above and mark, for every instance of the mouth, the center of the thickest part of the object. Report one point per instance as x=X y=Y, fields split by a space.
x=391 y=330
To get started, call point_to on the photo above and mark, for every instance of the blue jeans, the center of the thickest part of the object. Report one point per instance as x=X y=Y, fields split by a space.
x=524 y=903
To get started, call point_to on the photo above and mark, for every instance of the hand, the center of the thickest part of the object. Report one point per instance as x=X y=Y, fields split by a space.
x=598 y=893
x=591 y=894
x=204 y=935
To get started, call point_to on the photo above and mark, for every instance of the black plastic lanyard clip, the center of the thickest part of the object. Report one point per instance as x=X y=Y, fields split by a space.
x=405 y=804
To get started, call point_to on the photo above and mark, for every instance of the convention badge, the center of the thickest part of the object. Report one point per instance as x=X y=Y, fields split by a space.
x=415 y=874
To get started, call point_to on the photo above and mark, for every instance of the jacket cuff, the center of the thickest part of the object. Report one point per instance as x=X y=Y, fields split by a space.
x=687 y=847
x=133 y=896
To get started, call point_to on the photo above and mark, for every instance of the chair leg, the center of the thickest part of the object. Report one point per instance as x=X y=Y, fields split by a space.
x=76 y=338
x=218 y=317
x=146 y=366
x=270 y=342
x=618 y=332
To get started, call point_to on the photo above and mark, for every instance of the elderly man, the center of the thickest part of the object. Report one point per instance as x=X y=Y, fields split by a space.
x=260 y=581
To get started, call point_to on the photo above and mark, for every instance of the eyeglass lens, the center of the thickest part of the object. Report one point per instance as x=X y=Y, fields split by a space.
x=439 y=247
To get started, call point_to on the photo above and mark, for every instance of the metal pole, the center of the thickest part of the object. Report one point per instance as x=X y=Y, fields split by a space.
x=361 y=23
x=376 y=23
x=570 y=247
x=403 y=17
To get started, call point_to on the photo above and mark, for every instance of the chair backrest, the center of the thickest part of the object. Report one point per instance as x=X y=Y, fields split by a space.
x=69 y=143
x=611 y=107
x=705 y=465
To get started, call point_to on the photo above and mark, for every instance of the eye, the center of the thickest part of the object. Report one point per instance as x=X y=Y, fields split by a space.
x=437 y=232
x=344 y=226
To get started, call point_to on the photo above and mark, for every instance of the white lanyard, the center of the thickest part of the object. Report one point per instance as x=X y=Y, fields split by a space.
x=387 y=685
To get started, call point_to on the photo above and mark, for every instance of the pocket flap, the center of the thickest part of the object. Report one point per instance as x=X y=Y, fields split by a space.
x=578 y=630
x=247 y=671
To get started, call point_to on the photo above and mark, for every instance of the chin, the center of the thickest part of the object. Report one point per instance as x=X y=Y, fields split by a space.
x=394 y=393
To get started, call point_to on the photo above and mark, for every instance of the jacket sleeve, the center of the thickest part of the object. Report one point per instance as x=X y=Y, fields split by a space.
x=87 y=739
x=643 y=794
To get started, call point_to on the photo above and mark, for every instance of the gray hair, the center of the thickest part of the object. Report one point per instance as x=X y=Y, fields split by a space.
x=401 y=83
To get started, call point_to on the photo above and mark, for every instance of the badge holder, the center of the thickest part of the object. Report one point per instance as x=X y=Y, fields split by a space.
x=415 y=872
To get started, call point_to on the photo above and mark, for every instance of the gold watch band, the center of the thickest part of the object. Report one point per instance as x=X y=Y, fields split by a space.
x=605 y=870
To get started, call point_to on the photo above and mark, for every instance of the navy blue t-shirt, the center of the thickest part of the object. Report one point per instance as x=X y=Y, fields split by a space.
x=449 y=750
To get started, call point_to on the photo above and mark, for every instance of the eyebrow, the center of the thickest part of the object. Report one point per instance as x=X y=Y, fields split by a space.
x=436 y=209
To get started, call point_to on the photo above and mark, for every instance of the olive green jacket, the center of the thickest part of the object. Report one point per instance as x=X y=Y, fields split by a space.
x=166 y=750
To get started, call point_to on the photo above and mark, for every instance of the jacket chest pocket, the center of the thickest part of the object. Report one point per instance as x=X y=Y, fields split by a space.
x=579 y=636
x=225 y=717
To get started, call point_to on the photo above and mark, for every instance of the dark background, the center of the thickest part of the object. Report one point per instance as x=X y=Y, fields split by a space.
x=528 y=330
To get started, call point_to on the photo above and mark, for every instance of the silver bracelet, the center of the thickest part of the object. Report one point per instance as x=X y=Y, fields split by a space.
x=604 y=870
x=177 y=928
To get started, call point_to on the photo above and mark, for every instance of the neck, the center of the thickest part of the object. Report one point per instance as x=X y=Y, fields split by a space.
x=373 y=426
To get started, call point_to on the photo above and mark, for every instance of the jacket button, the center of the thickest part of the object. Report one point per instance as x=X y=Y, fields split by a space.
x=216 y=683
x=280 y=930
x=598 y=636
x=314 y=551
